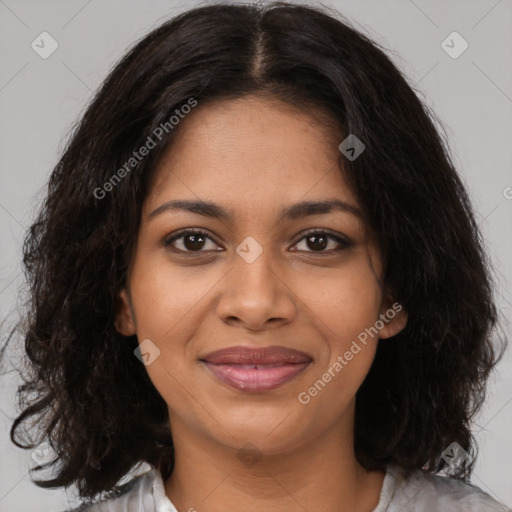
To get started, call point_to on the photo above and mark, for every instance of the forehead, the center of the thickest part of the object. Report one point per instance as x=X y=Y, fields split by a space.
x=252 y=152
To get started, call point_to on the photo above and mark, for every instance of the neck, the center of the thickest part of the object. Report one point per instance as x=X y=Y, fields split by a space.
x=322 y=474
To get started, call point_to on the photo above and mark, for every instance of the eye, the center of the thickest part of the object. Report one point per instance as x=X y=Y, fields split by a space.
x=191 y=240
x=196 y=241
x=318 y=240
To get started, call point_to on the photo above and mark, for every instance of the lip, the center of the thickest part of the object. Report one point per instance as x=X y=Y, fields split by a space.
x=256 y=369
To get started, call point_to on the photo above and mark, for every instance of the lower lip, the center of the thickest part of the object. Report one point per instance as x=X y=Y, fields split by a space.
x=249 y=378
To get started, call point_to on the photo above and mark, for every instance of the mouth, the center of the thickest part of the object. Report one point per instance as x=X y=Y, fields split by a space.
x=256 y=369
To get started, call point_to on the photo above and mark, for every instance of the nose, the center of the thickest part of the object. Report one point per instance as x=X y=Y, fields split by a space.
x=255 y=295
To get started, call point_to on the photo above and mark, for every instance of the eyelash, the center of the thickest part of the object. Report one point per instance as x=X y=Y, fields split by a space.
x=343 y=242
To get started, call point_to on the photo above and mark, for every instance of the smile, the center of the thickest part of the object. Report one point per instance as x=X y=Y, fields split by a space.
x=256 y=377
x=256 y=369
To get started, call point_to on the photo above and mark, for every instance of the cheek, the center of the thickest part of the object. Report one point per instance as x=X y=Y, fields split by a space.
x=346 y=303
x=163 y=298
x=344 y=310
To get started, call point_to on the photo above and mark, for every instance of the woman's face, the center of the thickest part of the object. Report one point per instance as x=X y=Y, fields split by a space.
x=255 y=279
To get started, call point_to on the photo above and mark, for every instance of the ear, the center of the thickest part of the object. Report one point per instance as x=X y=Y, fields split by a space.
x=125 y=318
x=394 y=317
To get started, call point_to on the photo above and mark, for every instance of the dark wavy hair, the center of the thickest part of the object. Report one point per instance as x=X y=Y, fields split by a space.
x=87 y=394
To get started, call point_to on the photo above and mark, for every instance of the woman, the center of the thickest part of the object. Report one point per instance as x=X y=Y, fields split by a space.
x=258 y=273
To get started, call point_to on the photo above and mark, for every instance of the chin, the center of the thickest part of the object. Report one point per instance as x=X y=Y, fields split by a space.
x=268 y=437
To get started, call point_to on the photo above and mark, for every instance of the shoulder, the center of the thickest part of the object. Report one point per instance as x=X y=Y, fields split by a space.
x=123 y=498
x=422 y=491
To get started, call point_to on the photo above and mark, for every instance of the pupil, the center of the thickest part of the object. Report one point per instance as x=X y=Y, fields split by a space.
x=195 y=237
x=319 y=245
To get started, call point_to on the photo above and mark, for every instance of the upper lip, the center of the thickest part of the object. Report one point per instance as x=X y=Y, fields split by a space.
x=274 y=354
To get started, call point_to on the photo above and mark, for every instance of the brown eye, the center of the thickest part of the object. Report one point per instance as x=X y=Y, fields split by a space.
x=190 y=241
x=318 y=241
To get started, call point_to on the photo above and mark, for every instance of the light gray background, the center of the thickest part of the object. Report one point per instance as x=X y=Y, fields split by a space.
x=40 y=99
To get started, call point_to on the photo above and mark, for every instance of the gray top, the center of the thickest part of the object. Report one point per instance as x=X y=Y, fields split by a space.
x=402 y=491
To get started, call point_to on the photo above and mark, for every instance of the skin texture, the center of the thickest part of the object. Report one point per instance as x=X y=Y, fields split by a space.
x=254 y=156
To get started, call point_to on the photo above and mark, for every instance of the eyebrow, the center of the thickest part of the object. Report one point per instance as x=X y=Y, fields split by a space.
x=295 y=211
